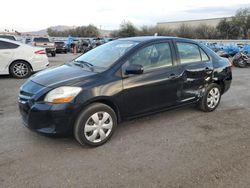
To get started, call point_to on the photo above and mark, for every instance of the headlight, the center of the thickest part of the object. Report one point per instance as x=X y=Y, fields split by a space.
x=62 y=94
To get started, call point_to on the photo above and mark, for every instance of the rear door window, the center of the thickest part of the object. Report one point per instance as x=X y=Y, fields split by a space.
x=7 y=45
x=204 y=56
x=188 y=53
x=41 y=39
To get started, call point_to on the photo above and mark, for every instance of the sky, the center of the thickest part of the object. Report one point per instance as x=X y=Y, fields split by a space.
x=30 y=15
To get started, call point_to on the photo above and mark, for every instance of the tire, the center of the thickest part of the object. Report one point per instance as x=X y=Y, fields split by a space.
x=235 y=63
x=210 y=101
x=89 y=128
x=242 y=63
x=20 y=69
x=53 y=54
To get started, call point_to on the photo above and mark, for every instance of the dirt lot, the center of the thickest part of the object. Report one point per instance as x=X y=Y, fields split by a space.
x=180 y=148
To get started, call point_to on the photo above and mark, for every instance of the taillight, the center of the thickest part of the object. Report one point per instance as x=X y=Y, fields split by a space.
x=40 y=52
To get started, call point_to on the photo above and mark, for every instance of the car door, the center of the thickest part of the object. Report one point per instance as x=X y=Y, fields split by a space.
x=196 y=68
x=158 y=86
x=6 y=54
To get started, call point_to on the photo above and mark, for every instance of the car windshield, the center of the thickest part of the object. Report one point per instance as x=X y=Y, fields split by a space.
x=41 y=40
x=105 y=55
x=60 y=43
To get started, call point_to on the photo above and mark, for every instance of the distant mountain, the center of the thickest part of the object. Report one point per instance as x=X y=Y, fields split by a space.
x=44 y=31
x=104 y=33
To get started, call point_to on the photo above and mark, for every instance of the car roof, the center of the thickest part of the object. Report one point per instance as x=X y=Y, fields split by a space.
x=142 y=39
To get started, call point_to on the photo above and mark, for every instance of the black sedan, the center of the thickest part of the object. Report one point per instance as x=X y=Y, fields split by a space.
x=121 y=80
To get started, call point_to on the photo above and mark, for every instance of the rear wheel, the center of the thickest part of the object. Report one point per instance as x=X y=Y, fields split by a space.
x=95 y=125
x=211 y=98
x=242 y=63
x=53 y=54
x=20 y=69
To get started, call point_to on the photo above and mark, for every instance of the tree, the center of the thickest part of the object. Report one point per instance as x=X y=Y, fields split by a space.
x=127 y=29
x=242 y=20
x=185 y=31
x=83 y=31
x=223 y=27
x=204 y=31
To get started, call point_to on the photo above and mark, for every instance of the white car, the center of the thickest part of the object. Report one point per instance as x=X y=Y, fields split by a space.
x=20 y=60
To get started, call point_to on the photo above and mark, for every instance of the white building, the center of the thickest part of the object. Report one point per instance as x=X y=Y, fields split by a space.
x=193 y=23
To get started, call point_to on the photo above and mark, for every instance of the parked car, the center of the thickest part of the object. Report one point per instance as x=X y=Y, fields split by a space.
x=61 y=47
x=20 y=60
x=10 y=37
x=44 y=42
x=241 y=59
x=84 y=46
x=121 y=80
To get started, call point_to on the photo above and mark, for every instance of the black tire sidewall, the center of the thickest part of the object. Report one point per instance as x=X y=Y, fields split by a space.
x=14 y=75
x=84 y=116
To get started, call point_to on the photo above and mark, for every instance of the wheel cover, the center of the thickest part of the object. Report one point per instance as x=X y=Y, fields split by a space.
x=98 y=127
x=20 y=69
x=213 y=97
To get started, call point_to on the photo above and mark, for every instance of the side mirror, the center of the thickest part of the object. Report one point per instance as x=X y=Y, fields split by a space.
x=134 y=69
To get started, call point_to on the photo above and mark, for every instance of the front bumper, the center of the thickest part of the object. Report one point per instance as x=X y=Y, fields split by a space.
x=44 y=117
x=47 y=118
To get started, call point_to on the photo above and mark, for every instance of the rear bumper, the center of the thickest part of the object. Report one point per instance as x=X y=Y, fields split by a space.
x=40 y=62
x=50 y=50
x=61 y=49
x=227 y=85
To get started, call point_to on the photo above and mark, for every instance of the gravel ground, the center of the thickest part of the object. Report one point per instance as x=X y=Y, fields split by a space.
x=179 y=148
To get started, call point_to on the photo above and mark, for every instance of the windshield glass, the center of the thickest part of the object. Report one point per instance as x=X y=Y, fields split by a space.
x=106 y=54
x=60 y=43
x=41 y=39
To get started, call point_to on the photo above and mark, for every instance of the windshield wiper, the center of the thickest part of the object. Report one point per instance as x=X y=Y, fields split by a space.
x=88 y=65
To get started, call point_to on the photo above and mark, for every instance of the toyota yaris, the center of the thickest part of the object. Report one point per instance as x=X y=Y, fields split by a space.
x=121 y=80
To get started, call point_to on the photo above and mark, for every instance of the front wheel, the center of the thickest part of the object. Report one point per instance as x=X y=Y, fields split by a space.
x=95 y=125
x=211 y=98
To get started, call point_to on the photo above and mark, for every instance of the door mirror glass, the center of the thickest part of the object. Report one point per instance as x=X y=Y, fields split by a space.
x=134 y=69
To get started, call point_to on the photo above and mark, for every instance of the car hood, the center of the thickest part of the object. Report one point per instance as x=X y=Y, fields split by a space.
x=67 y=74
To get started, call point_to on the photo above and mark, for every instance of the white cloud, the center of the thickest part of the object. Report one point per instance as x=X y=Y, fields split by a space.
x=32 y=15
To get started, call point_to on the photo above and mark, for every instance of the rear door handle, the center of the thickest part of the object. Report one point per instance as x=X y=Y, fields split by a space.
x=172 y=76
x=208 y=70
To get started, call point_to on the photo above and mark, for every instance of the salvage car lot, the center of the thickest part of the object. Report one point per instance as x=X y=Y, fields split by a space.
x=180 y=148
